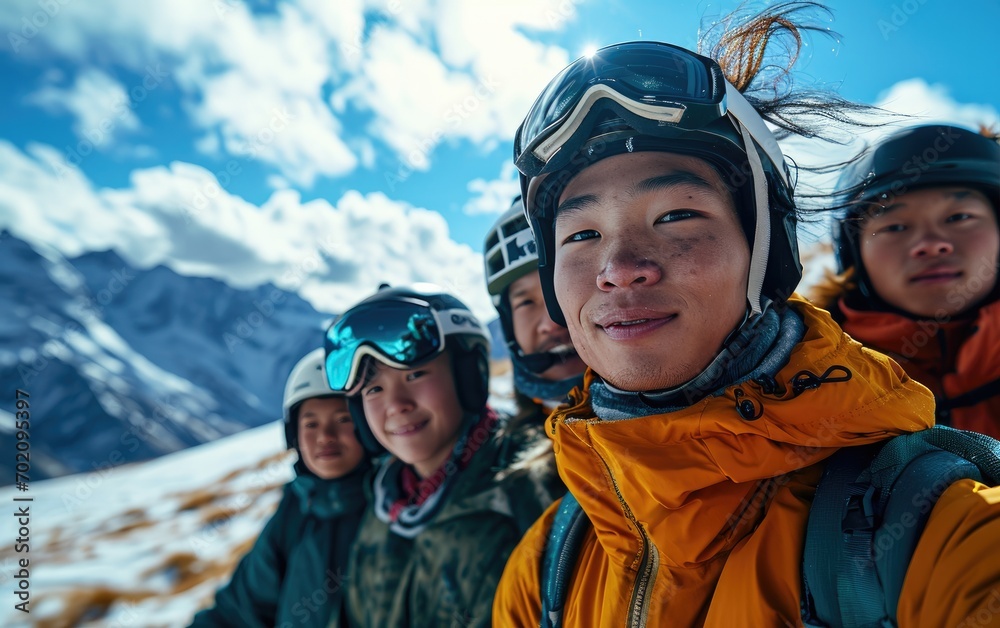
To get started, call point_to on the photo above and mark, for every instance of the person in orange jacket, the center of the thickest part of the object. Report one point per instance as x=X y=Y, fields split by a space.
x=917 y=247
x=663 y=212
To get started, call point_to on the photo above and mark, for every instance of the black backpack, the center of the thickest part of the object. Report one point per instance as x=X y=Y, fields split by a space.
x=867 y=515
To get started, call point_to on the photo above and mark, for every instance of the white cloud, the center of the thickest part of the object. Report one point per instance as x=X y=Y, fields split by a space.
x=340 y=22
x=181 y=216
x=493 y=197
x=136 y=151
x=130 y=33
x=296 y=133
x=477 y=89
x=501 y=52
x=44 y=199
x=417 y=103
x=470 y=72
x=235 y=70
x=932 y=103
x=99 y=103
x=208 y=144
x=266 y=101
x=277 y=183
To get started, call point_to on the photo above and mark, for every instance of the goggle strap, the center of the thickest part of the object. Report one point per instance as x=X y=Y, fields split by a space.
x=750 y=122
x=762 y=229
x=457 y=321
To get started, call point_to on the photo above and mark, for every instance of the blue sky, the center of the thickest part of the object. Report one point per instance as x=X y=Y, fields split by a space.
x=327 y=146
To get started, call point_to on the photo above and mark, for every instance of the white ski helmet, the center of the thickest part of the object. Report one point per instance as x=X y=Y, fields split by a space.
x=306 y=381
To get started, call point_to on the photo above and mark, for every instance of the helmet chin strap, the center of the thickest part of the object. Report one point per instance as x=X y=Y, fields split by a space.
x=736 y=330
x=538 y=363
x=546 y=391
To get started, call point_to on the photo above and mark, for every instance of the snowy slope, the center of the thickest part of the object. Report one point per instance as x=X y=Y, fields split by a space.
x=146 y=544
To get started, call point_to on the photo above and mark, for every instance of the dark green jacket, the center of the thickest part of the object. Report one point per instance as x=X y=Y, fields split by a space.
x=294 y=575
x=446 y=576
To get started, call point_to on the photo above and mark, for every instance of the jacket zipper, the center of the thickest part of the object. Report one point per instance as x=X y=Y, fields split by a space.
x=648 y=565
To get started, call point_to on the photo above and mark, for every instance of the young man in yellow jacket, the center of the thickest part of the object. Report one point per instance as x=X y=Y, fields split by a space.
x=662 y=208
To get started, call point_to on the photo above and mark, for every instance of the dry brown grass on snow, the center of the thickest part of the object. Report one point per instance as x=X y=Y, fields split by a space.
x=188 y=571
x=219 y=514
x=274 y=458
x=89 y=604
x=129 y=527
x=197 y=499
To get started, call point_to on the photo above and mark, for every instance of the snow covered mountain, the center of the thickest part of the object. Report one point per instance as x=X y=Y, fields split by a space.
x=124 y=364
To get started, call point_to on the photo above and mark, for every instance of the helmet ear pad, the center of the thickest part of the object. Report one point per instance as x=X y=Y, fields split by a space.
x=507 y=323
x=292 y=428
x=471 y=370
x=847 y=252
x=361 y=430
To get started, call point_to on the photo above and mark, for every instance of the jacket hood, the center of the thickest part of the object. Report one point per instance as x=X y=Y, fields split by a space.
x=691 y=477
x=827 y=292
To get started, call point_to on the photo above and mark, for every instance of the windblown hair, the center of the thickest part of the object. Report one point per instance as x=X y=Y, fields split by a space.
x=757 y=51
x=744 y=46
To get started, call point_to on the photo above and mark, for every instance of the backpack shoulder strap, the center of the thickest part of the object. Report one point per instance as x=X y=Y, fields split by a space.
x=561 y=549
x=970 y=398
x=841 y=507
x=867 y=518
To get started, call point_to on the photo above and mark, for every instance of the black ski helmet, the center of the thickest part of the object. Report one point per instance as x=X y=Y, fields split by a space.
x=935 y=155
x=509 y=253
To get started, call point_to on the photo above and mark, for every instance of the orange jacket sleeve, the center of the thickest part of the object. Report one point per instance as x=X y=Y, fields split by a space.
x=954 y=575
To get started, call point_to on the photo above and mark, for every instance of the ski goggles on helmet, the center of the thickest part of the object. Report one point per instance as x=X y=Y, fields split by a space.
x=402 y=333
x=654 y=85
